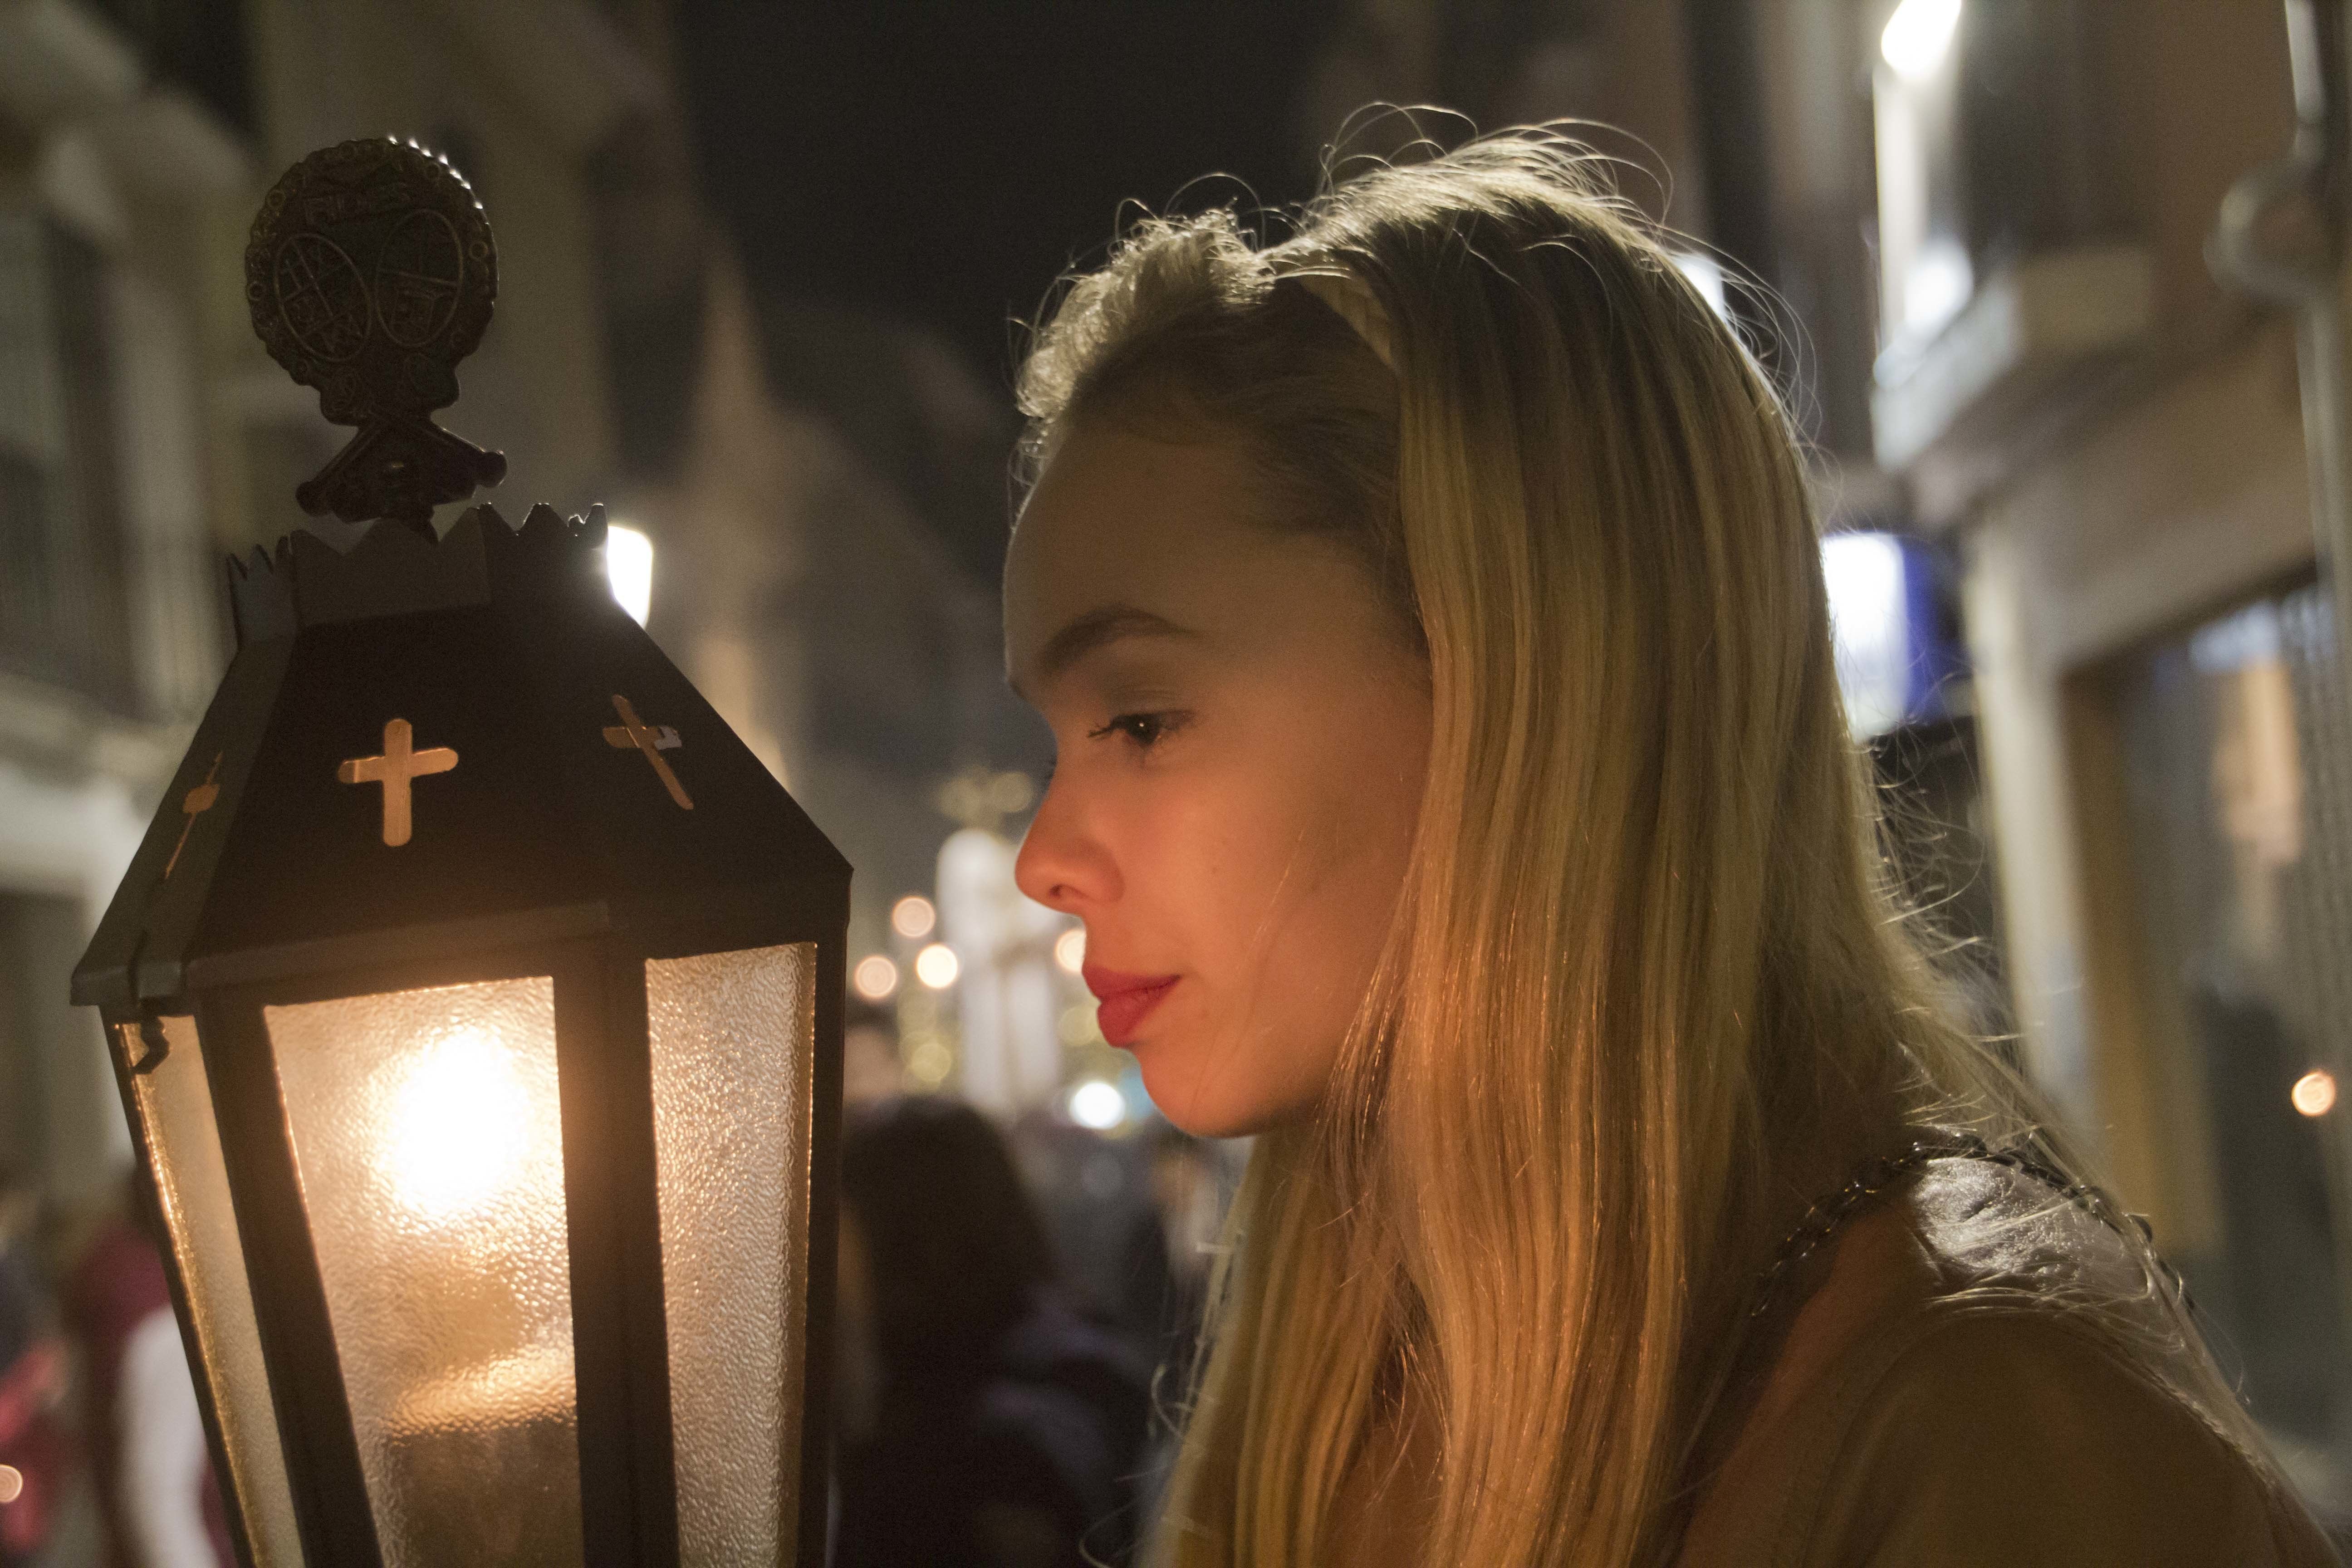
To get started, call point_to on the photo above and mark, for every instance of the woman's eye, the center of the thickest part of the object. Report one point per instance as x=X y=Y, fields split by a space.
x=1146 y=729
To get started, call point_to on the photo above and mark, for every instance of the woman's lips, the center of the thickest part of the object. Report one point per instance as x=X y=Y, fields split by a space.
x=1125 y=1000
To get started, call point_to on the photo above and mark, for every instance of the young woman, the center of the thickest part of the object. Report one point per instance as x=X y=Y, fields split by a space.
x=1453 y=783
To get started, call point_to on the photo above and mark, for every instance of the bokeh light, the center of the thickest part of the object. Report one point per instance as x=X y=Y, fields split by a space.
x=936 y=966
x=11 y=1483
x=1070 y=949
x=2314 y=1092
x=913 y=917
x=1094 y=1103
x=875 y=977
x=1011 y=792
x=930 y=1062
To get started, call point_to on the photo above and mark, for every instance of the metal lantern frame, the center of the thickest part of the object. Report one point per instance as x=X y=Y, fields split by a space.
x=440 y=769
x=267 y=880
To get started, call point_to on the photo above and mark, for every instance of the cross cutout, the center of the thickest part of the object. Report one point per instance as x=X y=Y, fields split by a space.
x=633 y=730
x=393 y=770
x=193 y=804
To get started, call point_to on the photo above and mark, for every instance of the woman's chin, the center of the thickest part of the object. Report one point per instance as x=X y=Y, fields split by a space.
x=1205 y=1103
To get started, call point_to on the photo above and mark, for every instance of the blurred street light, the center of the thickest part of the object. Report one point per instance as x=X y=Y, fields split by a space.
x=629 y=566
x=1097 y=1104
x=1070 y=949
x=1918 y=36
x=936 y=966
x=1706 y=274
x=2314 y=1092
x=913 y=916
x=876 y=977
x=982 y=797
x=930 y=1062
x=1871 y=626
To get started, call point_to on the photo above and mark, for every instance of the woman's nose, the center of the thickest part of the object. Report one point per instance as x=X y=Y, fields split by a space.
x=1060 y=866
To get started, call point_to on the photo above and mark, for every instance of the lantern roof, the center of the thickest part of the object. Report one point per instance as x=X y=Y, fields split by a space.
x=423 y=747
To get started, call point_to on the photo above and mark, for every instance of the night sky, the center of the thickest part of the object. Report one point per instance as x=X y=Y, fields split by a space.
x=944 y=160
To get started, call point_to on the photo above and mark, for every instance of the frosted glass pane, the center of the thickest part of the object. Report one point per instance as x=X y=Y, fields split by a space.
x=733 y=1037
x=429 y=1142
x=175 y=1104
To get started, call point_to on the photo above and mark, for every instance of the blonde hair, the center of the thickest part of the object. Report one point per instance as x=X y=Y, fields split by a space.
x=1645 y=949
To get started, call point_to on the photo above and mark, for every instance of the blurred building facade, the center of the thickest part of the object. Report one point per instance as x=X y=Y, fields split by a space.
x=144 y=434
x=2114 y=441
x=811 y=473
x=121 y=147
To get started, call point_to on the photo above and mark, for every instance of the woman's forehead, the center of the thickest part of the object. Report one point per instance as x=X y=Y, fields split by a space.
x=1122 y=521
x=1170 y=545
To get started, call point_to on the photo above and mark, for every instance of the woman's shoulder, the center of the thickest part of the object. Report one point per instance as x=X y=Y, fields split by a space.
x=1986 y=1375
x=2023 y=1434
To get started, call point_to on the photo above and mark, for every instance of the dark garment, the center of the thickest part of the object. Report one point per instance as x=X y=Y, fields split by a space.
x=1161 y=1309
x=1028 y=1461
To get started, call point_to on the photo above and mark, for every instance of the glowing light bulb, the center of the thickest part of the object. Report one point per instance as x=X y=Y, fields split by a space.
x=461 y=1124
x=936 y=966
x=11 y=1483
x=1070 y=949
x=1918 y=36
x=876 y=977
x=2314 y=1093
x=629 y=567
x=913 y=916
x=1094 y=1103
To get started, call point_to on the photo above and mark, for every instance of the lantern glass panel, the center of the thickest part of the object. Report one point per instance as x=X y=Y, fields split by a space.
x=176 y=1109
x=733 y=1038
x=428 y=1139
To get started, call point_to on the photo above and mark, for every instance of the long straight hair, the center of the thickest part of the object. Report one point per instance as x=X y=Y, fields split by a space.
x=1645 y=940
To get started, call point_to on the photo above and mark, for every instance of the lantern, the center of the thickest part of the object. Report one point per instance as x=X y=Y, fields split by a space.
x=476 y=1001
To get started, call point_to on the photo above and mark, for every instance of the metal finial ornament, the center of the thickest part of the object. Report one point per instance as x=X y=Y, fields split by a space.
x=370 y=274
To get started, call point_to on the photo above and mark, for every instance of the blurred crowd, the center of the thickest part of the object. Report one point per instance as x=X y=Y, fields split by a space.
x=1020 y=1305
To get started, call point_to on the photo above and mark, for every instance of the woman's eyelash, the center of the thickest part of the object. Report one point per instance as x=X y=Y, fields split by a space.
x=1146 y=729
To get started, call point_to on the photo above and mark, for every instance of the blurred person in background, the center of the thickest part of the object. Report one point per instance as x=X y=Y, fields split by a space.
x=33 y=1444
x=156 y=1494
x=1453 y=781
x=982 y=1421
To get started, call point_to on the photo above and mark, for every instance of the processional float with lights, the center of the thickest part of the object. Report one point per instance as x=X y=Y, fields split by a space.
x=475 y=999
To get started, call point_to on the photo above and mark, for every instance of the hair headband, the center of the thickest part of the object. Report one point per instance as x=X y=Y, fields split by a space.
x=1353 y=301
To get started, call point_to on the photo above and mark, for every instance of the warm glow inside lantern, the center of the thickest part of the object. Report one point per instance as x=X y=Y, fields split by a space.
x=476 y=997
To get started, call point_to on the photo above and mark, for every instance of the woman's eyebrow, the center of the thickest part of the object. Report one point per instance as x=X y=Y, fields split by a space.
x=1096 y=629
